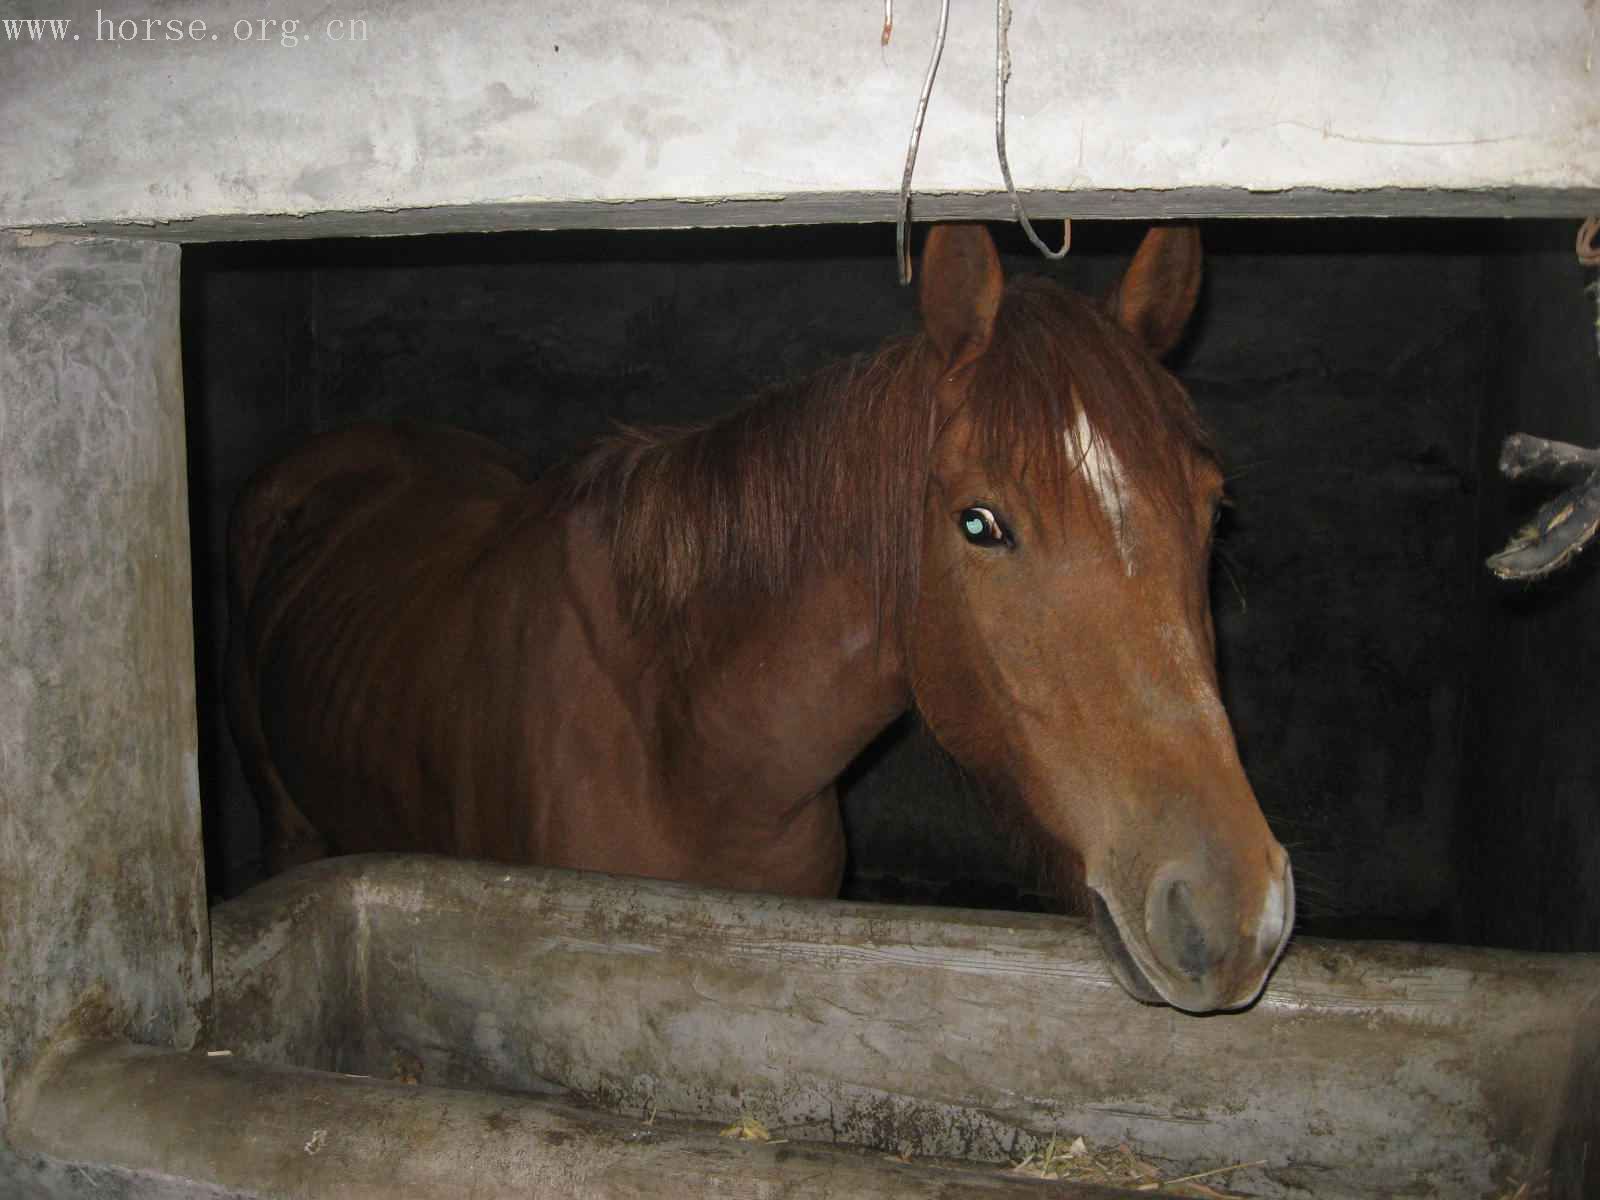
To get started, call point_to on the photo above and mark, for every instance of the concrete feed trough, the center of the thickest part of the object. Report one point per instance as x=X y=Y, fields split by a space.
x=1365 y=1070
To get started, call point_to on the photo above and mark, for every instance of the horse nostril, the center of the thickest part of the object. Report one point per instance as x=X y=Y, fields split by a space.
x=1176 y=932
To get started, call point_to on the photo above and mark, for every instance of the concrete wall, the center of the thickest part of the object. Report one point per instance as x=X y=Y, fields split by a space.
x=103 y=924
x=495 y=115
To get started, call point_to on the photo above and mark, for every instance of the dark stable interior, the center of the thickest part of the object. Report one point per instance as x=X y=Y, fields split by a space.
x=1420 y=735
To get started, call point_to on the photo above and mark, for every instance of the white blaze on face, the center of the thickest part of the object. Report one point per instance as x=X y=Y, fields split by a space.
x=1104 y=475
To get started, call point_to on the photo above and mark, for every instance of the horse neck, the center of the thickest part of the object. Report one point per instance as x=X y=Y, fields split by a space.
x=779 y=708
x=806 y=507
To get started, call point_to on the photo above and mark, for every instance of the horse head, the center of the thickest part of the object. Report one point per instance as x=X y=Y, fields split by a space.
x=1062 y=645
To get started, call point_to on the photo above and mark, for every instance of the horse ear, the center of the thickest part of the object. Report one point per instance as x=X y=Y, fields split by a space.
x=1156 y=297
x=961 y=286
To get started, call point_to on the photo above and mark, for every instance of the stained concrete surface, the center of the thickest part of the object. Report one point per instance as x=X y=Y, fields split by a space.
x=1364 y=1070
x=103 y=923
x=115 y=1109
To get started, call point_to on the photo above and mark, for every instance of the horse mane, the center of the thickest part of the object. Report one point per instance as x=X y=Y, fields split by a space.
x=830 y=471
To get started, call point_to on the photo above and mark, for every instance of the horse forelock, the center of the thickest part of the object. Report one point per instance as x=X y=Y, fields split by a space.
x=829 y=472
x=1065 y=393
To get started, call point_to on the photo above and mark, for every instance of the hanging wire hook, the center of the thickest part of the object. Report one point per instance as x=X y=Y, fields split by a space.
x=1002 y=75
x=1588 y=252
x=902 y=251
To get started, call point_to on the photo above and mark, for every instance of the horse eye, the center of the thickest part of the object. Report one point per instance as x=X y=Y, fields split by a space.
x=983 y=528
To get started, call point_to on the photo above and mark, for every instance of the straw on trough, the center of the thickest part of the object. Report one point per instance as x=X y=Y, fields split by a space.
x=1120 y=1167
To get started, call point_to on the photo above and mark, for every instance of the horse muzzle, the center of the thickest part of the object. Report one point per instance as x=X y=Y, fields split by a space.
x=1192 y=947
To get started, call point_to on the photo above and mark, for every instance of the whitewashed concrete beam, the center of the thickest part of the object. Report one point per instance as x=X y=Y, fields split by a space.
x=378 y=118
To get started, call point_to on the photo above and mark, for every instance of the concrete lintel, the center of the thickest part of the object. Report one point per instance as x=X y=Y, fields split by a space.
x=510 y=117
x=810 y=208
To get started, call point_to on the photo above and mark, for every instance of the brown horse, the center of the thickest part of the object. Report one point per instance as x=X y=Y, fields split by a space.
x=658 y=660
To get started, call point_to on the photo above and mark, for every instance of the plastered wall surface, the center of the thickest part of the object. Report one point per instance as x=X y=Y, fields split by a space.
x=103 y=924
x=211 y=120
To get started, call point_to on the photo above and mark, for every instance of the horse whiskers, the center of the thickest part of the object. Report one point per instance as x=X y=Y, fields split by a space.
x=1224 y=560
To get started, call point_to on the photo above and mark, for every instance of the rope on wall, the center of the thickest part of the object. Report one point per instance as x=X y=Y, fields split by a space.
x=1002 y=76
x=1565 y=525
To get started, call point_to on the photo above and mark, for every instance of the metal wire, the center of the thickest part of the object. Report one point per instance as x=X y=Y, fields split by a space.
x=1002 y=75
x=902 y=250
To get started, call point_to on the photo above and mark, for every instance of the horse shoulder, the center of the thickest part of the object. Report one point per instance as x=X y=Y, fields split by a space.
x=588 y=699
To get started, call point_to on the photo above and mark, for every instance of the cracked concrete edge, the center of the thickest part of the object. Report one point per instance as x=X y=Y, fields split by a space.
x=842 y=207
